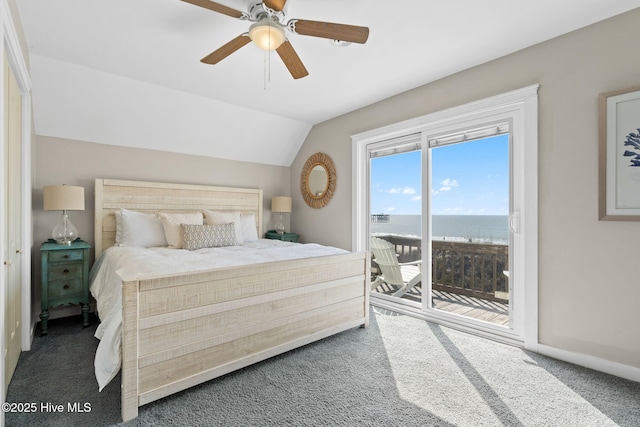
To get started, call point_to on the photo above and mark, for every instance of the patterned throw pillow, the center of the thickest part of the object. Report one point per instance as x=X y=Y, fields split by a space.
x=207 y=236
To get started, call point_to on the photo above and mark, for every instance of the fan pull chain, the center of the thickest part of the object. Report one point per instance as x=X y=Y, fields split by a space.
x=267 y=68
x=267 y=63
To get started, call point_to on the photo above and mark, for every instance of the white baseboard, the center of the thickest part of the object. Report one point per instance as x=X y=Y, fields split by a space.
x=585 y=360
x=591 y=362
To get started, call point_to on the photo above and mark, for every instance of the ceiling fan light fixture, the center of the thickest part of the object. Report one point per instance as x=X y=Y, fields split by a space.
x=267 y=35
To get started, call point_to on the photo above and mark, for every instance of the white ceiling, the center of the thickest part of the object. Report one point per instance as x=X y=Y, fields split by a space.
x=156 y=46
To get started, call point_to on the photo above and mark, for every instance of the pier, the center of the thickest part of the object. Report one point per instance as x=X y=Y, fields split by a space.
x=379 y=218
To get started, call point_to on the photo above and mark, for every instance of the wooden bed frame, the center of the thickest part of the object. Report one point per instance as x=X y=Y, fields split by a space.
x=184 y=329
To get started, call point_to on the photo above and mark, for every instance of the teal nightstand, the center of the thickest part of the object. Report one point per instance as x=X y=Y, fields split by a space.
x=65 y=278
x=286 y=237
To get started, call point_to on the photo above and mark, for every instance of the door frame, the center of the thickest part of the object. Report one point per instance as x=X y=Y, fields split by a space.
x=521 y=108
x=11 y=47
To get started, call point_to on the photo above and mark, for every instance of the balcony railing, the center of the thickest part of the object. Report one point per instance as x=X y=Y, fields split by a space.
x=471 y=269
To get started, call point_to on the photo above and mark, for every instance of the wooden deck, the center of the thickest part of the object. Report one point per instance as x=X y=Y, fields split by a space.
x=476 y=308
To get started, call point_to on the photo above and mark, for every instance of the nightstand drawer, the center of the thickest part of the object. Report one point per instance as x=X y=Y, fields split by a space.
x=65 y=272
x=69 y=255
x=65 y=289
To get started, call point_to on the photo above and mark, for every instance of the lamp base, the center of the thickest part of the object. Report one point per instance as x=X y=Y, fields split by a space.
x=279 y=226
x=67 y=242
x=64 y=233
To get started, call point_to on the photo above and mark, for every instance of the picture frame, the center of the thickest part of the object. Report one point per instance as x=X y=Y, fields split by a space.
x=619 y=155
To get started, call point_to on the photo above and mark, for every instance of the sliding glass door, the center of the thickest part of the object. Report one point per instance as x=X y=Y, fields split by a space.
x=477 y=187
x=396 y=220
x=461 y=221
x=469 y=237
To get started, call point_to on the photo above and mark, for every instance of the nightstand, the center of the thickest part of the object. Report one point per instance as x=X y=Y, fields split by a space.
x=65 y=278
x=286 y=237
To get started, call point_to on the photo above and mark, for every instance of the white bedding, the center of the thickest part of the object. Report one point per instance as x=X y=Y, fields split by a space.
x=137 y=263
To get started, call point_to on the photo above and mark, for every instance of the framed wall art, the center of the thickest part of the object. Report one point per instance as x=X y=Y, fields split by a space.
x=619 y=152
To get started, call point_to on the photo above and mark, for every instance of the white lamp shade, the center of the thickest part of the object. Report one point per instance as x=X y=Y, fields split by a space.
x=63 y=198
x=281 y=204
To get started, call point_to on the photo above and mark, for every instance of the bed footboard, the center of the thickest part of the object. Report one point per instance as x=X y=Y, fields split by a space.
x=182 y=330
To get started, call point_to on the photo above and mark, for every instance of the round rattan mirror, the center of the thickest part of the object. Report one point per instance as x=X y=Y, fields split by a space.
x=318 y=180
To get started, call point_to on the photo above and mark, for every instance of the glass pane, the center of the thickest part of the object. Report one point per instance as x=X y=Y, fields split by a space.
x=470 y=235
x=396 y=224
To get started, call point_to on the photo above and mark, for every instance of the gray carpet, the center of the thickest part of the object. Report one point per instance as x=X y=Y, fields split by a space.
x=398 y=372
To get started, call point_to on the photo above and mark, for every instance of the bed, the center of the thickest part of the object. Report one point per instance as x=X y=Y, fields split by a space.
x=183 y=328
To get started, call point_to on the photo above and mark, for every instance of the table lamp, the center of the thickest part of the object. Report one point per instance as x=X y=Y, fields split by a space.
x=63 y=198
x=280 y=204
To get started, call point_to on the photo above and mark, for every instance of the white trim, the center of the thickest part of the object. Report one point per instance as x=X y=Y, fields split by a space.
x=519 y=107
x=359 y=207
x=14 y=51
x=18 y=64
x=27 y=224
x=437 y=118
x=450 y=321
x=529 y=222
x=602 y=365
x=591 y=362
x=11 y=46
x=3 y=200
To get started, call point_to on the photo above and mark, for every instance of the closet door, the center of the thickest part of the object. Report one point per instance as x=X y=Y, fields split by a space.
x=12 y=220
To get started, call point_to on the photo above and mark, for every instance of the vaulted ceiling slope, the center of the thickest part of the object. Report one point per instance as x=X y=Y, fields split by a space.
x=129 y=73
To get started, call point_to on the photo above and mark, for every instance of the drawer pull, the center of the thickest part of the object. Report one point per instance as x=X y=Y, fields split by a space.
x=66 y=256
x=66 y=270
x=65 y=287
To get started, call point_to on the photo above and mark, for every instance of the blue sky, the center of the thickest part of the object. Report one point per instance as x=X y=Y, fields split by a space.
x=470 y=178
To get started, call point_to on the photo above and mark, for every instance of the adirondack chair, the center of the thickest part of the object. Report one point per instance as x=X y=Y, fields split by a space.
x=403 y=275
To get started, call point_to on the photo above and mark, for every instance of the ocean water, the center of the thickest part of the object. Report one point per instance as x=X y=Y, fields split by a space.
x=476 y=228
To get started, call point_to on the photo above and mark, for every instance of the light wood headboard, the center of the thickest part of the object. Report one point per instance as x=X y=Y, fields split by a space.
x=153 y=197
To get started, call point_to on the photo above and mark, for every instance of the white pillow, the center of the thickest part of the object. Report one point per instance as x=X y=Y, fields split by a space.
x=139 y=229
x=215 y=217
x=171 y=223
x=248 y=228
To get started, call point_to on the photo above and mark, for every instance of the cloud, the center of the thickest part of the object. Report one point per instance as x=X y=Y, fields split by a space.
x=390 y=210
x=408 y=190
x=402 y=190
x=447 y=185
x=416 y=198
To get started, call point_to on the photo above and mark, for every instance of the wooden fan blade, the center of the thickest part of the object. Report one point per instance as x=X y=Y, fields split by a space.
x=328 y=30
x=292 y=60
x=275 y=4
x=226 y=50
x=216 y=7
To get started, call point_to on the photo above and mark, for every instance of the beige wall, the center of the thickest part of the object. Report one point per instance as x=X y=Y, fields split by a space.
x=62 y=161
x=588 y=277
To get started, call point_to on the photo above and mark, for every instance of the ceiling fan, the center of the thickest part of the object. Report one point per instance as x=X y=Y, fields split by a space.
x=267 y=31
